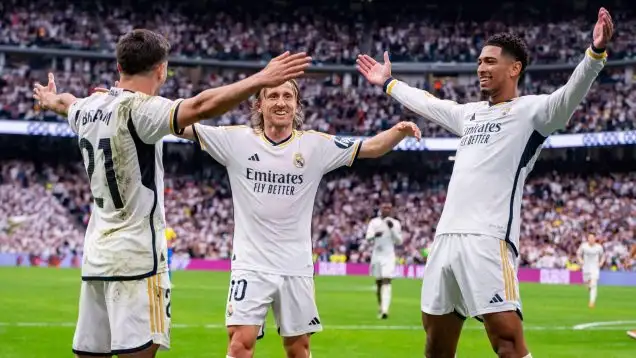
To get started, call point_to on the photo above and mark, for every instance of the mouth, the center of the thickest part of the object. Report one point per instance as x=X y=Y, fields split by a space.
x=484 y=80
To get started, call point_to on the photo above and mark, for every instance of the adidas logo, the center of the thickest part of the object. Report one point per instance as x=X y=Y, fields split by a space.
x=314 y=322
x=254 y=158
x=496 y=299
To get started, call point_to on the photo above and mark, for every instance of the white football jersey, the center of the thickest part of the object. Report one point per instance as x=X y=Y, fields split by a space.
x=498 y=147
x=591 y=255
x=120 y=136
x=273 y=191
x=384 y=244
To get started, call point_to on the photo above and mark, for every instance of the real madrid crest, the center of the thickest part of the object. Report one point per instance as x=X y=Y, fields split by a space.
x=299 y=161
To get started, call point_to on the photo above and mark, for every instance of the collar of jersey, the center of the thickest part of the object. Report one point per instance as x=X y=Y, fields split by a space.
x=282 y=143
x=490 y=104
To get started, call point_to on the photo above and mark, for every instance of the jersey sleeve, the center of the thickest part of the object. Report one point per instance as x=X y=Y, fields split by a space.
x=561 y=104
x=338 y=151
x=215 y=141
x=73 y=114
x=155 y=117
x=445 y=113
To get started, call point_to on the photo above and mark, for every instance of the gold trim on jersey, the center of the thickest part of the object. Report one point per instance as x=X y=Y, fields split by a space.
x=596 y=56
x=354 y=153
x=197 y=138
x=510 y=291
x=171 y=116
x=325 y=135
x=389 y=88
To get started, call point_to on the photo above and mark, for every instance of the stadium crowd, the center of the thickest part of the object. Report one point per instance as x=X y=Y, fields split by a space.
x=44 y=208
x=333 y=103
x=333 y=34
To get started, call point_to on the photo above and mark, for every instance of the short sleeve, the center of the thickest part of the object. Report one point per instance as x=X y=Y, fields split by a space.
x=338 y=151
x=154 y=117
x=214 y=140
x=73 y=114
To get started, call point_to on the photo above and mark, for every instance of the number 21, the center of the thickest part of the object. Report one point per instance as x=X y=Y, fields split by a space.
x=111 y=180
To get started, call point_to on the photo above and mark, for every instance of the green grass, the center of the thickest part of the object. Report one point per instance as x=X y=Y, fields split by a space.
x=347 y=308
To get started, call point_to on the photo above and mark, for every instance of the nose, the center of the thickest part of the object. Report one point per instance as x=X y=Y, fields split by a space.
x=481 y=69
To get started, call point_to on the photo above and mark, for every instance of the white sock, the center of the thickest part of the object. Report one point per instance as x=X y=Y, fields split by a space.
x=229 y=357
x=385 y=296
x=528 y=356
x=593 y=294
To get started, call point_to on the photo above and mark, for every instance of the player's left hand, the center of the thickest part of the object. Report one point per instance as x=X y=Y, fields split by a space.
x=409 y=129
x=603 y=30
x=43 y=94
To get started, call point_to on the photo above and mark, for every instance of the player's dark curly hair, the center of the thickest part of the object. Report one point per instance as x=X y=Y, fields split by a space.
x=140 y=50
x=511 y=45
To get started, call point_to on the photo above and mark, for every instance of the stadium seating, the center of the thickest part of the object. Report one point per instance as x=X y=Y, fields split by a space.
x=558 y=211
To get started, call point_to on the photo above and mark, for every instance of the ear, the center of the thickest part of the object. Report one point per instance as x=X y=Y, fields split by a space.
x=515 y=69
x=119 y=68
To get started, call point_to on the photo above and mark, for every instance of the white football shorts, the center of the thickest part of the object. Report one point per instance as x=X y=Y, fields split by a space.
x=470 y=275
x=591 y=275
x=120 y=317
x=384 y=269
x=292 y=299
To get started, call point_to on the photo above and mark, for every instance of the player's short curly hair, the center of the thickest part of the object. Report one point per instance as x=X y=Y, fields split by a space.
x=512 y=45
x=258 y=122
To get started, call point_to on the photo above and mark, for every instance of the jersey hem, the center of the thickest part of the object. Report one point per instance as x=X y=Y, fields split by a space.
x=273 y=272
x=122 y=278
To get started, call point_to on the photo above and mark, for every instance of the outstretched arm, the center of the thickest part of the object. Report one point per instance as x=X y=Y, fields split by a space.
x=447 y=114
x=562 y=103
x=216 y=101
x=48 y=98
x=384 y=142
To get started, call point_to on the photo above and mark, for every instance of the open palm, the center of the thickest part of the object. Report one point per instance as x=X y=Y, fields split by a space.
x=375 y=72
x=603 y=29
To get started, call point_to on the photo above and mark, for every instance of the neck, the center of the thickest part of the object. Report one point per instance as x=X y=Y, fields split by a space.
x=141 y=84
x=505 y=94
x=278 y=133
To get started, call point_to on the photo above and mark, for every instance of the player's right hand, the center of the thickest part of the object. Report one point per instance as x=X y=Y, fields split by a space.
x=375 y=72
x=284 y=68
x=44 y=95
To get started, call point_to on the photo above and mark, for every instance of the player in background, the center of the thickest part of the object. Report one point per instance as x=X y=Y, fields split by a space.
x=385 y=232
x=274 y=169
x=471 y=270
x=124 y=306
x=171 y=235
x=591 y=257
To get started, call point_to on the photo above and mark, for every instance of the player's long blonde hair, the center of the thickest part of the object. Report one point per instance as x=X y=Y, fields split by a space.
x=258 y=122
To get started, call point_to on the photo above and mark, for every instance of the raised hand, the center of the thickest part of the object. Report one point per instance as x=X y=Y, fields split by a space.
x=375 y=72
x=284 y=68
x=603 y=30
x=45 y=95
x=409 y=129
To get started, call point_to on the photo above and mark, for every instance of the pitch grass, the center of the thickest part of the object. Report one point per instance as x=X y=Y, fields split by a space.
x=38 y=308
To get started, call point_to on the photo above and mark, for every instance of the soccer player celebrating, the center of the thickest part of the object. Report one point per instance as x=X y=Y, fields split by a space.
x=124 y=306
x=472 y=267
x=590 y=255
x=385 y=232
x=274 y=170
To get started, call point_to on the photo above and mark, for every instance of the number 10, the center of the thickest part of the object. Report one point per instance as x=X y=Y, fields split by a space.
x=111 y=180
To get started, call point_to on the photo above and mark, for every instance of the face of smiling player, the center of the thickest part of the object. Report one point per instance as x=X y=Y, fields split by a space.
x=497 y=71
x=279 y=105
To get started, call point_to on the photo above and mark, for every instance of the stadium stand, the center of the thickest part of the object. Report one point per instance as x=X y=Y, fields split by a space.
x=559 y=209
